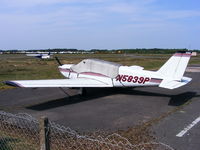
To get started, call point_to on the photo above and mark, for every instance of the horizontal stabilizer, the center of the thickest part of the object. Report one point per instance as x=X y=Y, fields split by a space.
x=172 y=84
x=78 y=82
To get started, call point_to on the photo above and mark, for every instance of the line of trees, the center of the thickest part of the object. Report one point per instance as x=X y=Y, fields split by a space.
x=104 y=51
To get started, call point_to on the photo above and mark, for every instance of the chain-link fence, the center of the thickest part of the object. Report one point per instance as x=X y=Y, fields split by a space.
x=23 y=132
x=18 y=132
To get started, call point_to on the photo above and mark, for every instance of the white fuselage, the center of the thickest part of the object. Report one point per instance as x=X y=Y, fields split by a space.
x=42 y=56
x=127 y=77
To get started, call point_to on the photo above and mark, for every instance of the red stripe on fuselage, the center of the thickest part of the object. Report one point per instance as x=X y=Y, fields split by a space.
x=156 y=80
x=182 y=54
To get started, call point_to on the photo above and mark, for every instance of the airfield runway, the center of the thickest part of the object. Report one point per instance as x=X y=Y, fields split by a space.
x=113 y=109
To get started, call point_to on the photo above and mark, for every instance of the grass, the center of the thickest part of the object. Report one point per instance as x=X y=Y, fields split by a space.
x=26 y=69
x=21 y=67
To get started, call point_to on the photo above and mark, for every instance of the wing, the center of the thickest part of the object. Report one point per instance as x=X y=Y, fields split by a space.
x=78 y=82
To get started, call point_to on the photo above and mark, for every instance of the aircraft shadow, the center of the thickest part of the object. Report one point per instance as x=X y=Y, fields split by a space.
x=175 y=100
x=93 y=93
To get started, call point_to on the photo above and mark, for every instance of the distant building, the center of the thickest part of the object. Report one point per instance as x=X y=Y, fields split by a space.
x=194 y=53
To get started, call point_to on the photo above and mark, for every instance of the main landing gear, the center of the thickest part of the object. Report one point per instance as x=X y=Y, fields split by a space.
x=82 y=91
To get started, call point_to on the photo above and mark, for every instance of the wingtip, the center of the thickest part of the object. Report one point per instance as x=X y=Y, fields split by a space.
x=12 y=83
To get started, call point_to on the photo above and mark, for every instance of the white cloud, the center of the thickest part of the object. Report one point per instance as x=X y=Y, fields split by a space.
x=32 y=3
x=90 y=21
x=178 y=14
x=135 y=12
x=123 y=8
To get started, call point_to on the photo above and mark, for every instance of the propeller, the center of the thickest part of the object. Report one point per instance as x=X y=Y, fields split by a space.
x=58 y=61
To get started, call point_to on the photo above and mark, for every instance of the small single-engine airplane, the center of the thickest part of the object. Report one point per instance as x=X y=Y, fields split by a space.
x=41 y=56
x=99 y=73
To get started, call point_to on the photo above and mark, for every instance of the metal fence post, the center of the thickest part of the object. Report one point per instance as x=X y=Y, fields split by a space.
x=44 y=133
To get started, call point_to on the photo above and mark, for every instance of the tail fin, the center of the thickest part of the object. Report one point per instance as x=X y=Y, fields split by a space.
x=175 y=67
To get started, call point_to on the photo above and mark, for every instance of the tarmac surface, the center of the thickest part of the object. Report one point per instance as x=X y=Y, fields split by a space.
x=117 y=108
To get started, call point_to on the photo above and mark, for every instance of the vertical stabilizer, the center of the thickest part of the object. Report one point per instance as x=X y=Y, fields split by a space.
x=175 y=67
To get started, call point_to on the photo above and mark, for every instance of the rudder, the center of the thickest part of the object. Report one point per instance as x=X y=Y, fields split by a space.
x=175 y=67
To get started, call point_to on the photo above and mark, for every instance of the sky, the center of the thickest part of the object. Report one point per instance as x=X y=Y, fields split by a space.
x=99 y=24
